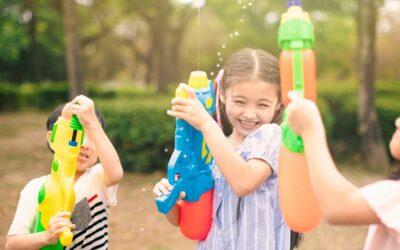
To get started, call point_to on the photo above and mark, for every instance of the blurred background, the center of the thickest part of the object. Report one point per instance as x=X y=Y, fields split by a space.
x=129 y=56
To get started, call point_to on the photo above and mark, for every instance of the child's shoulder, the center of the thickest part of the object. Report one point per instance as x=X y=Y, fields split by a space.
x=36 y=182
x=266 y=136
x=33 y=186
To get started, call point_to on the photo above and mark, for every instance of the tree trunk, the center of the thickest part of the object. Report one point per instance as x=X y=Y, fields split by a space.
x=161 y=36
x=373 y=149
x=35 y=60
x=72 y=49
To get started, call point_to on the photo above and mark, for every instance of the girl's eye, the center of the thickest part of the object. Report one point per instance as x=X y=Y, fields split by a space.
x=239 y=102
x=263 y=105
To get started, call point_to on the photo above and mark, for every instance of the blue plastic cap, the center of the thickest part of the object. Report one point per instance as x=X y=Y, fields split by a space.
x=72 y=143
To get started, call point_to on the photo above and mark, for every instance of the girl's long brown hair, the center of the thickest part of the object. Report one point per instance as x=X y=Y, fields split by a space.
x=245 y=65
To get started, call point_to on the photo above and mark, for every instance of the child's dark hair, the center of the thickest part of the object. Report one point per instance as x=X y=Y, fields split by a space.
x=249 y=64
x=395 y=174
x=295 y=239
x=57 y=113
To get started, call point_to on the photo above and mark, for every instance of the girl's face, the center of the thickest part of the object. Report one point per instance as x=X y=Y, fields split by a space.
x=250 y=104
x=87 y=155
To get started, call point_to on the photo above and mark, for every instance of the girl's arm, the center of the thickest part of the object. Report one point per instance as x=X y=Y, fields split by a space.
x=341 y=202
x=35 y=241
x=27 y=241
x=244 y=177
x=108 y=156
x=395 y=141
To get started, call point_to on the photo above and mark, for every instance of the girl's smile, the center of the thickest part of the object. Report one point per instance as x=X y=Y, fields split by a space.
x=250 y=104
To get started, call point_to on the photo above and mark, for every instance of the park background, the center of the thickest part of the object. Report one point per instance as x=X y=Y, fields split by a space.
x=129 y=55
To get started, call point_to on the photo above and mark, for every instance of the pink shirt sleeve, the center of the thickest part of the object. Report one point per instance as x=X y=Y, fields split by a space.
x=384 y=198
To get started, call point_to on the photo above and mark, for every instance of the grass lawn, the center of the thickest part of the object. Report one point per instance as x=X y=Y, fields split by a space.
x=134 y=223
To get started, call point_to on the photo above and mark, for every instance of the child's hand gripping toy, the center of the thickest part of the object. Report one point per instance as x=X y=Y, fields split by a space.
x=297 y=66
x=57 y=193
x=189 y=168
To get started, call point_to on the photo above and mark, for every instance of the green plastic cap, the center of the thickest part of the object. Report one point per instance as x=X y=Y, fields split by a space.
x=290 y=139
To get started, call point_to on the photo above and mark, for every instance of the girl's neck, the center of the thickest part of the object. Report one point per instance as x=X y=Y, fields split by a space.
x=235 y=140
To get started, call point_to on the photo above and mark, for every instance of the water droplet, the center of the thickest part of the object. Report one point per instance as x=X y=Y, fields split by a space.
x=184 y=156
x=165 y=149
x=236 y=33
x=239 y=1
x=244 y=7
x=218 y=65
x=143 y=189
x=140 y=208
x=220 y=59
x=231 y=35
x=141 y=229
x=250 y=4
x=223 y=46
x=211 y=73
x=218 y=53
x=241 y=20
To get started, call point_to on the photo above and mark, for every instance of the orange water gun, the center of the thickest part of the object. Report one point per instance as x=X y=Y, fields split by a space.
x=297 y=66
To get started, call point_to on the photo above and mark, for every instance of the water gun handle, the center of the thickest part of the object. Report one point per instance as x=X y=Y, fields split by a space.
x=66 y=237
x=166 y=202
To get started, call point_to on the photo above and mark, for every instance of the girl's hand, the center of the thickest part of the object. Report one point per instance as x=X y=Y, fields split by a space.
x=83 y=107
x=303 y=115
x=395 y=141
x=66 y=112
x=163 y=187
x=57 y=224
x=190 y=110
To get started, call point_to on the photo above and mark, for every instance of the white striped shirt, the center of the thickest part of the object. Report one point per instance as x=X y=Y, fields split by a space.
x=252 y=222
x=90 y=212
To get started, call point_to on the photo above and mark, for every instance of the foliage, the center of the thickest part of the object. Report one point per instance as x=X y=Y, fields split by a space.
x=143 y=133
x=32 y=96
x=31 y=41
x=342 y=102
x=143 y=137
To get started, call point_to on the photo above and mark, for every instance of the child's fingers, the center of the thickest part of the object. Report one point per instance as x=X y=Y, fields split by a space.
x=81 y=99
x=180 y=101
x=174 y=114
x=189 y=90
x=166 y=183
x=397 y=123
x=62 y=214
x=293 y=96
x=161 y=190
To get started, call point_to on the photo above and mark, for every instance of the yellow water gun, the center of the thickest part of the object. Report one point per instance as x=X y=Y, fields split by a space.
x=57 y=193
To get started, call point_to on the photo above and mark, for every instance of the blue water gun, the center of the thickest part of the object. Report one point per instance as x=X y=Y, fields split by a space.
x=189 y=168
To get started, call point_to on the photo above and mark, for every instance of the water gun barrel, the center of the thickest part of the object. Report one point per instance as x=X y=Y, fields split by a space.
x=297 y=64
